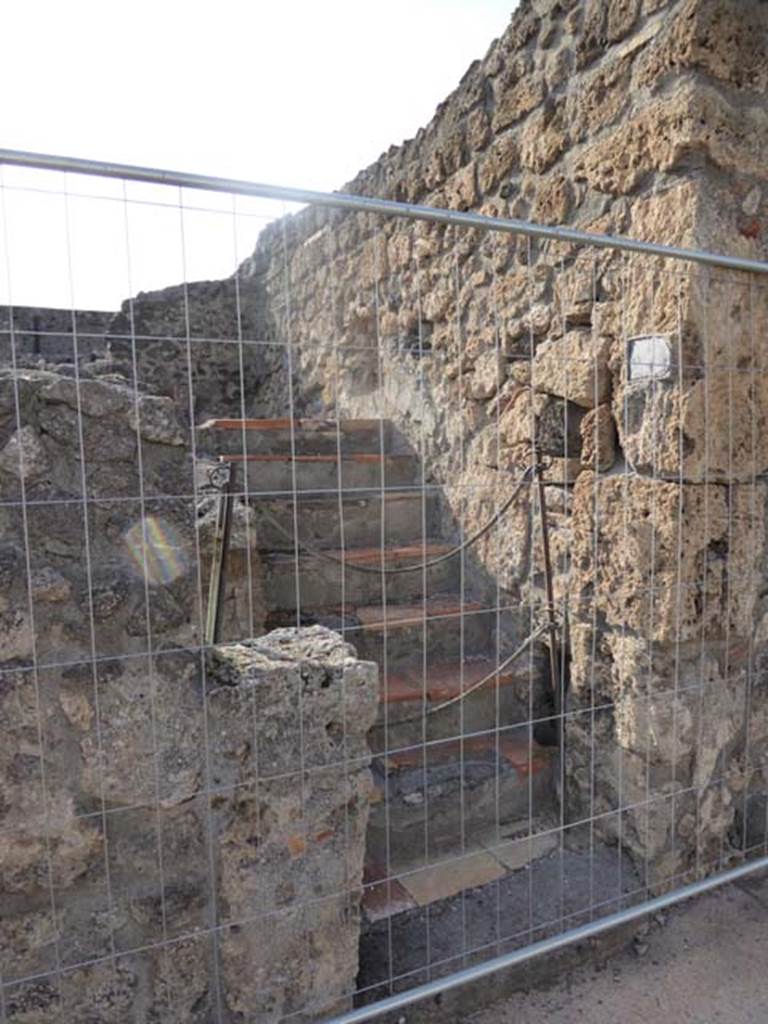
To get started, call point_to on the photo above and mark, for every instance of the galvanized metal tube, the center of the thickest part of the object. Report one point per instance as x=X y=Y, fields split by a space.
x=550 y=945
x=386 y=207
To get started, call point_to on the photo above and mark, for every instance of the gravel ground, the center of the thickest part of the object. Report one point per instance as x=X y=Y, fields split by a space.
x=704 y=962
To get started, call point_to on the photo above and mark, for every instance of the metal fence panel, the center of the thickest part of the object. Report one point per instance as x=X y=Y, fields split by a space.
x=518 y=468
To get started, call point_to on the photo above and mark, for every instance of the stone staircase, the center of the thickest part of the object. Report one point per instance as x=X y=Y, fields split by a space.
x=455 y=785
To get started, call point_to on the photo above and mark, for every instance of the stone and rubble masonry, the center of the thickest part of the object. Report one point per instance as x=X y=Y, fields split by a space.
x=114 y=732
x=47 y=334
x=139 y=858
x=206 y=345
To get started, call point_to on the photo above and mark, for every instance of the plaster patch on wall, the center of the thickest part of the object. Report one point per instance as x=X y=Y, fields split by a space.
x=649 y=357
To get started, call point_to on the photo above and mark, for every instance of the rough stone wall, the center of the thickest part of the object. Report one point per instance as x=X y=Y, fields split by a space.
x=273 y=861
x=147 y=796
x=205 y=344
x=101 y=438
x=126 y=571
x=645 y=119
x=41 y=333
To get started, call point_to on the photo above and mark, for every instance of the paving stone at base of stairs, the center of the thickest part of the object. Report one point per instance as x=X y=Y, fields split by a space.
x=553 y=893
x=482 y=859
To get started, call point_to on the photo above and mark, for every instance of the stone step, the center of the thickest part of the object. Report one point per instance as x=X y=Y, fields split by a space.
x=412 y=700
x=398 y=636
x=322 y=582
x=304 y=436
x=393 y=890
x=435 y=919
x=274 y=474
x=436 y=799
x=444 y=628
x=403 y=515
x=378 y=619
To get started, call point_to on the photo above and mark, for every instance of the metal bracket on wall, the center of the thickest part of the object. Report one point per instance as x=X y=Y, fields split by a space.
x=221 y=477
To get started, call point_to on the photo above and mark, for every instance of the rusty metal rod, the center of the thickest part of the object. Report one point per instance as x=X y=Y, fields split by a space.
x=218 y=561
x=554 y=666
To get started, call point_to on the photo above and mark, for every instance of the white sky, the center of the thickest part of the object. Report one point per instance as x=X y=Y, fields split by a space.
x=294 y=93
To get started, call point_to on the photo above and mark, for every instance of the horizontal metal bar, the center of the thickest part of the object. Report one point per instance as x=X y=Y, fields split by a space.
x=387 y=207
x=550 y=945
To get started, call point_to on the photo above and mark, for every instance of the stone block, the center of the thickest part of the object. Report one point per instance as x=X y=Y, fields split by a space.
x=553 y=201
x=543 y=138
x=667 y=561
x=661 y=136
x=550 y=420
x=288 y=763
x=598 y=439
x=723 y=40
x=622 y=15
x=592 y=38
x=460 y=191
x=488 y=374
x=498 y=162
x=573 y=367
x=706 y=430
x=517 y=92
x=654 y=139
x=602 y=97
x=23 y=456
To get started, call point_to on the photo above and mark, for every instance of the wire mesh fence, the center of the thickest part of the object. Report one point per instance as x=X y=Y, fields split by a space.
x=518 y=469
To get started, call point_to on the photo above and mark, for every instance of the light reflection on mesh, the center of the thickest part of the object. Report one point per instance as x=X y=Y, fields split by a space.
x=156 y=550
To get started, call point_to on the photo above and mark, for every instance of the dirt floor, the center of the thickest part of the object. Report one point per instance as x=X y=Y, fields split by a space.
x=704 y=962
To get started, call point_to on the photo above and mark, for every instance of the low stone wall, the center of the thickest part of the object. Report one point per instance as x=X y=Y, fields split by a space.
x=132 y=574
x=209 y=811
x=295 y=708
x=93 y=463
x=206 y=345
x=41 y=333
x=191 y=833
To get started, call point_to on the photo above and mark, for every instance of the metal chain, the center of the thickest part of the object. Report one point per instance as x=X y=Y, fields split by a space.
x=481 y=682
x=378 y=570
